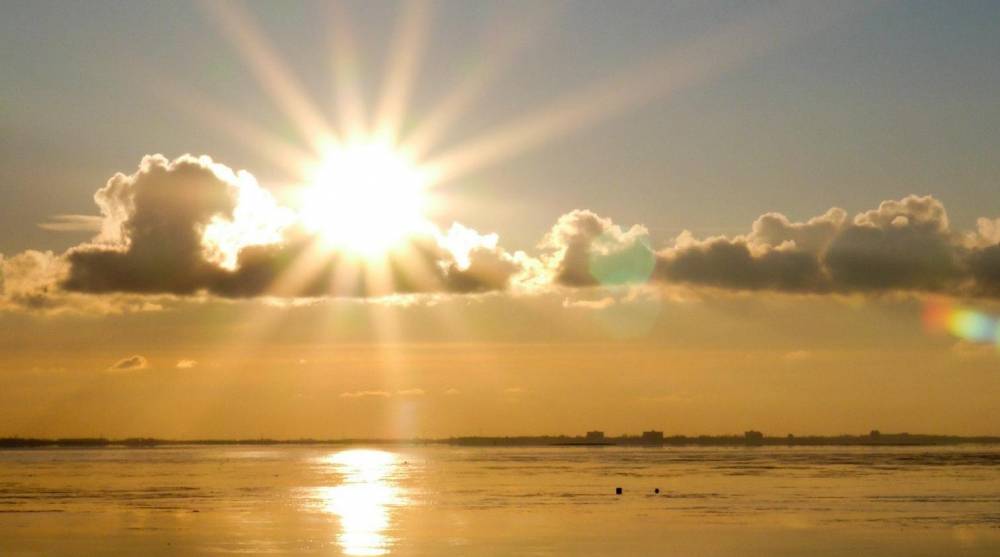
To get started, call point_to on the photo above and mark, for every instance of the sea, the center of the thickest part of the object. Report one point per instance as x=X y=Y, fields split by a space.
x=450 y=500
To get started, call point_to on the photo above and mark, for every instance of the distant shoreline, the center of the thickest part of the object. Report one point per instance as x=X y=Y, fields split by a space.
x=870 y=440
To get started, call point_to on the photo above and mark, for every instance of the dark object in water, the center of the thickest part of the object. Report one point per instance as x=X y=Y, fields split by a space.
x=618 y=491
x=656 y=491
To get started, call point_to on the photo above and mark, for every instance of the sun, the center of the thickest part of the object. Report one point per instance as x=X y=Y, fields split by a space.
x=365 y=197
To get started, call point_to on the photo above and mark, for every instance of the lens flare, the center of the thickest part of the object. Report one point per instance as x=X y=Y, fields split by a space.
x=942 y=316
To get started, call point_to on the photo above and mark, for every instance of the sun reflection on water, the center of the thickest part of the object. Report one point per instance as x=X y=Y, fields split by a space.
x=364 y=500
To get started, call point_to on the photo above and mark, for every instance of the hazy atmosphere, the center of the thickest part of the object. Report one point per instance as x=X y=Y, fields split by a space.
x=481 y=278
x=462 y=218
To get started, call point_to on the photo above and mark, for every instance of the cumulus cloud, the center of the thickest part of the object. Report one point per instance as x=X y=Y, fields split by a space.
x=904 y=245
x=186 y=364
x=131 y=363
x=154 y=222
x=29 y=278
x=584 y=249
x=733 y=264
x=774 y=230
x=192 y=226
x=30 y=282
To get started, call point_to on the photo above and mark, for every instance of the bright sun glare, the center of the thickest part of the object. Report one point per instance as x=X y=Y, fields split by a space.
x=365 y=197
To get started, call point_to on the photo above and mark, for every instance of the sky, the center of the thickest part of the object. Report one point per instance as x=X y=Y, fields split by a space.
x=426 y=219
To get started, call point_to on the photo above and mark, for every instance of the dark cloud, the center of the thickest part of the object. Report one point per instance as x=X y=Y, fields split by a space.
x=984 y=265
x=185 y=226
x=813 y=236
x=161 y=213
x=730 y=264
x=304 y=269
x=904 y=245
x=72 y=223
x=153 y=241
x=901 y=257
x=131 y=363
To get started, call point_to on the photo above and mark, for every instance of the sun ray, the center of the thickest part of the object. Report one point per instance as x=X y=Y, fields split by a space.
x=404 y=59
x=270 y=71
x=689 y=65
x=499 y=51
x=268 y=145
x=349 y=100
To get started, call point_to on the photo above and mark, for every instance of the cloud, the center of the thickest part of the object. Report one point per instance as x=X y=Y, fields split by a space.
x=798 y=355
x=602 y=303
x=584 y=249
x=973 y=350
x=452 y=392
x=410 y=392
x=904 y=245
x=384 y=394
x=29 y=278
x=30 y=282
x=733 y=264
x=513 y=390
x=186 y=364
x=366 y=394
x=131 y=363
x=192 y=226
x=72 y=223
x=154 y=221
x=813 y=236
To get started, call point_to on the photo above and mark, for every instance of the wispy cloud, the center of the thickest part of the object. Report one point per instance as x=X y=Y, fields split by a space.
x=603 y=303
x=131 y=363
x=383 y=394
x=410 y=392
x=72 y=223
x=798 y=355
x=366 y=394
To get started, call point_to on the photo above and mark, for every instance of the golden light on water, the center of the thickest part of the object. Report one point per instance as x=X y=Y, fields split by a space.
x=364 y=501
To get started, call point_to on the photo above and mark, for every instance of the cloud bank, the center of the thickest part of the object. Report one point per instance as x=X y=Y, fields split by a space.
x=192 y=226
x=904 y=245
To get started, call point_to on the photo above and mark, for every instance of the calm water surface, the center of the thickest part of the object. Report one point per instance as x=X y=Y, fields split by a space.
x=501 y=501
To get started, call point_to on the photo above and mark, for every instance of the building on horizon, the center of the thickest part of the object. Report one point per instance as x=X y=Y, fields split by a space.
x=652 y=437
x=595 y=436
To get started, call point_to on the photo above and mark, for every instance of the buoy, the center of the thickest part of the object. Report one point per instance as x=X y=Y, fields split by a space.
x=656 y=491
x=618 y=491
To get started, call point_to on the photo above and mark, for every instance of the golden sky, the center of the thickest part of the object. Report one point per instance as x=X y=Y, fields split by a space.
x=431 y=220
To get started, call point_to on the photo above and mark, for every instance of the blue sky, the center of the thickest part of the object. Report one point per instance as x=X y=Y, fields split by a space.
x=890 y=99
